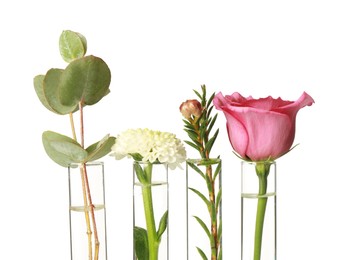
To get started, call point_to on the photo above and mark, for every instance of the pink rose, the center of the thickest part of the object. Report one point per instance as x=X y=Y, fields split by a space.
x=260 y=129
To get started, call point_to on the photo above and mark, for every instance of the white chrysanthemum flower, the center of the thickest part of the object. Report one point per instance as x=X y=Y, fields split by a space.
x=151 y=145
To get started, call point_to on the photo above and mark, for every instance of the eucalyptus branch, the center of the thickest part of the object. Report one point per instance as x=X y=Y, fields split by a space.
x=87 y=83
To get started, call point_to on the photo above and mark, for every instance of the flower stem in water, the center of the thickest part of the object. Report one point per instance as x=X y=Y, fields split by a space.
x=262 y=171
x=149 y=215
x=87 y=194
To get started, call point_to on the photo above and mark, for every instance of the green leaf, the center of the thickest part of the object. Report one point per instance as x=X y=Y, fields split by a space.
x=162 y=225
x=210 y=126
x=100 y=149
x=203 y=100
x=220 y=254
x=213 y=216
x=218 y=199
x=136 y=156
x=202 y=196
x=62 y=149
x=189 y=126
x=218 y=169
x=202 y=129
x=208 y=182
x=202 y=254
x=72 y=45
x=51 y=85
x=38 y=85
x=141 y=243
x=195 y=168
x=192 y=135
x=210 y=142
x=197 y=93
x=207 y=162
x=209 y=110
x=192 y=145
x=220 y=230
x=187 y=122
x=210 y=99
x=203 y=225
x=46 y=87
x=140 y=173
x=86 y=79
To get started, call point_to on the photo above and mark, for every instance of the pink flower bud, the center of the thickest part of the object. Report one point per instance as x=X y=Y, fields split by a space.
x=191 y=107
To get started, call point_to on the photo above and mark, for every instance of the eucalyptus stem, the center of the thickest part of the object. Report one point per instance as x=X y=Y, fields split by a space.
x=86 y=212
x=86 y=189
x=83 y=181
x=92 y=209
x=262 y=171
x=81 y=111
x=72 y=126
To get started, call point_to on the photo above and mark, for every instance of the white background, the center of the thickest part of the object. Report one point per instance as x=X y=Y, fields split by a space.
x=158 y=52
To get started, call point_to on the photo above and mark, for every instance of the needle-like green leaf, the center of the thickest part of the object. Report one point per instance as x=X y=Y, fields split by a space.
x=202 y=196
x=203 y=225
x=202 y=254
x=194 y=167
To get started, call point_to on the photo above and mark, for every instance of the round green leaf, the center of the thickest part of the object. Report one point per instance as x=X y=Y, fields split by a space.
x=100 y=149
x=72 y=45
x=62 y=149
x=38 y=85
x=46 y=87
x=86 y=79
x=51 y=83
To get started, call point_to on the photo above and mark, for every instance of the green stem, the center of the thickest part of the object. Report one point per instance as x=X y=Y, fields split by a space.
x=72 y=126
x=86 y=188
x=213 y=214
x=262 y=171
x=149 y=215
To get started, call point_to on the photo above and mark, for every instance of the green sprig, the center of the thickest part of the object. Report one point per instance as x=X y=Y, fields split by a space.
x=199 y=129
x=84 y=82
x=202 y=138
